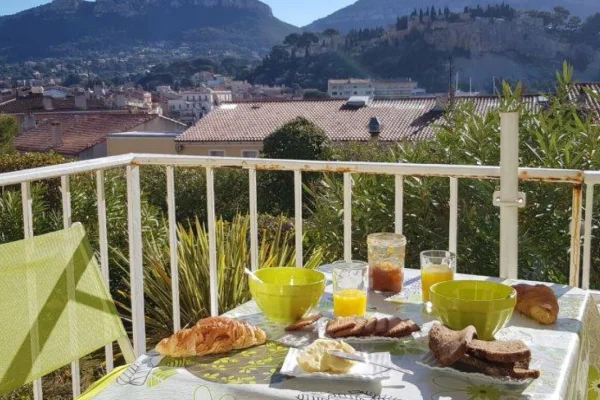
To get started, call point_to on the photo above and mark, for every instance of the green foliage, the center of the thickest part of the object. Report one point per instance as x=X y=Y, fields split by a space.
x=299 y=139
x=8 y=130
x=559 y=136
x=276 y=250
x=315 y=94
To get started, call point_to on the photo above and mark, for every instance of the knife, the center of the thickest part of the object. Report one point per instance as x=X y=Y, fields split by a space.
x=363 y=359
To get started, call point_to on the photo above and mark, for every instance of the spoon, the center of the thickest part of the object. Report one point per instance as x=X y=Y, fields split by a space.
x=252 y=275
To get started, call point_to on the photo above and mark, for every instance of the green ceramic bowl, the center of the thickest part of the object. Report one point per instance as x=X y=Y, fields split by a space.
x=486 y=305
x=287 y=294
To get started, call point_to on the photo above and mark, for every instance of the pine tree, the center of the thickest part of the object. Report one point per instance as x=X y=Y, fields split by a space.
x=421 y=15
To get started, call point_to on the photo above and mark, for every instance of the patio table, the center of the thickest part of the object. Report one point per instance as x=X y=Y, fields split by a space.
x=567 y=353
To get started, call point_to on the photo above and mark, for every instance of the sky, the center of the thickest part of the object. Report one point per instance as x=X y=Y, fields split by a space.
x=296 y=12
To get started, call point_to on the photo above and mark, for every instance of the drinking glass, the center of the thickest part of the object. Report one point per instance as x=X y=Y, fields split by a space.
x=436 y=266
x=350 y=287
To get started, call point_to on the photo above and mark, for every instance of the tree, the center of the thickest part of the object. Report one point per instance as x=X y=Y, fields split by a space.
x=306 y=40
x=299 y=139
x=421 y=15
x=315 y=94
x=330 y=32
x=561 y=14
x=9 y=127
x=72 y=80
x=291 y=40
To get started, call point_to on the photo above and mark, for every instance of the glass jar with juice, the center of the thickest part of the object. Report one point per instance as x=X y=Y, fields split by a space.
x=350 y=286
x=436 y=266
x=386 y=261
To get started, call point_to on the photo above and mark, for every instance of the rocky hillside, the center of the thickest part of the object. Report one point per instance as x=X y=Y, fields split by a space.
x=64 y=27
x=374 y=13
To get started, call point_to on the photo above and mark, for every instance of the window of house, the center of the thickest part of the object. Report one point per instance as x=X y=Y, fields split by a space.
x=216 y=153
x=334 y=93
x=250 y=153
x=355 y=92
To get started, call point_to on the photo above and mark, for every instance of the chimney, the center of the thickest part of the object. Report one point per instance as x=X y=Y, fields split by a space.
x=56 y=134
x=80 y=102
x=374 y=128
x=29 y=122
x=441 y=103
x=120 y=100
x=47 y=101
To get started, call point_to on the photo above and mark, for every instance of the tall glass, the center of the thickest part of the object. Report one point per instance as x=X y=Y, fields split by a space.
x=436 y=266
x=386 y=261
x=350 y=287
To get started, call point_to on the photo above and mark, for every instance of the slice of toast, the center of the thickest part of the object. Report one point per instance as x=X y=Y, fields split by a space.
x=508 y=351
x=449 y=346
x=381 y=326
x=340 y=324
x=401 y=327
x=354 y=331
x=369 y=328
x=513 y=370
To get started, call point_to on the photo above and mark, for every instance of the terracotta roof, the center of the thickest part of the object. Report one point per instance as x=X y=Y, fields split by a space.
x=35 y=103
x=404 y=119
x=80 y=131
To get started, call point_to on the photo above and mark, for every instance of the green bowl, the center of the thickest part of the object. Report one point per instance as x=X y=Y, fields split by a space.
x=287 y=294
x=486 y=305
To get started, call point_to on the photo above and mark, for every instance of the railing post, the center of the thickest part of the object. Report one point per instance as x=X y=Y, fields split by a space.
x=453 y=237
x=136 y=263
x=253 y=220
x=508 y=199
x=347 y=216
x=65 y=188
x=173 y=247
x=212 y=242
x=103 y=242
x=399 y=204
x=27 y=203
x=575 y=268
x=298 y=216
x=587 y=236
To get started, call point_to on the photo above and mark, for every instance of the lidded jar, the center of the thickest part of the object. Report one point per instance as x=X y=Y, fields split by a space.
x=387 y=252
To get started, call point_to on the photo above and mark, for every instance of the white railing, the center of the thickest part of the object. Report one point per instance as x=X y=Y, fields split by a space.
x=133 y=163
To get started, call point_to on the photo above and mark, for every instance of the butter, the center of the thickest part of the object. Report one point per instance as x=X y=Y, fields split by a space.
x=316 y=357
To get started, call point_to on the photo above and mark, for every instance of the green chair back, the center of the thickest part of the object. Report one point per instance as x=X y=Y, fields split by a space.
x=54 y=306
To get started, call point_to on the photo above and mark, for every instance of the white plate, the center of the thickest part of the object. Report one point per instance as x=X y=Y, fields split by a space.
x=429 y=361
x=359 y=372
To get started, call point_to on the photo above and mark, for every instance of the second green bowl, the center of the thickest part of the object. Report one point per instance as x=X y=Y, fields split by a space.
x=487 y=306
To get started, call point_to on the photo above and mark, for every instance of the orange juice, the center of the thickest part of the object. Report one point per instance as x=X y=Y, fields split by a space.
x=434 y=274
x=350 y=302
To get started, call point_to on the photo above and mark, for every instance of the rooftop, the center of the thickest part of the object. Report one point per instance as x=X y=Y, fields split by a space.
x=34 y=103
x=403 y=119
x=80 y=131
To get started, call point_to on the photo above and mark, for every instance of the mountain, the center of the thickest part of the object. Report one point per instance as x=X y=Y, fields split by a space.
x=65 y=27
x=375 y=13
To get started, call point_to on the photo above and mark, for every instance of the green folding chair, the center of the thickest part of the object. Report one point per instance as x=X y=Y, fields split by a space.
x=55 y=307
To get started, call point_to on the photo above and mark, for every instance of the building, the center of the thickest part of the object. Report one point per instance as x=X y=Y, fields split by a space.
x=83 y=135
x=238 y=130
x=346 y=88
x=192 y=105
x=394 y=89
x=142 y=142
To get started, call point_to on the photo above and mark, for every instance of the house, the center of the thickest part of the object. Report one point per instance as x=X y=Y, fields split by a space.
x=346 y=88
x=238 y=129
x=83 y=135
x=192 y=105
x=394 y=88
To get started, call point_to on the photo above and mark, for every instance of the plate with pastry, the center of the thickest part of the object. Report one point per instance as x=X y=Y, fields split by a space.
x=369 y=330
x=214 y=335
x=507 y=362
x=317 y=361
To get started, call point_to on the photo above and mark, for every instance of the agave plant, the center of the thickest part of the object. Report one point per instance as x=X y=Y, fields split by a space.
x=233 y=255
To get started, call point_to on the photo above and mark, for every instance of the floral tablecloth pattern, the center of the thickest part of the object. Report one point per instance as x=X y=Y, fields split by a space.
x=567 y=353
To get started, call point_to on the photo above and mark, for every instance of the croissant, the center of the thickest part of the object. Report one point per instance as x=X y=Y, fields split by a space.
x=537 y=302
x=215 y=335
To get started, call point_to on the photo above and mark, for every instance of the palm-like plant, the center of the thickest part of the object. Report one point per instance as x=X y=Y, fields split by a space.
x=233 y=255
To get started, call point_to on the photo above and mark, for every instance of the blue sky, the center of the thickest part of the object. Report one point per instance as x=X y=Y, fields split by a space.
x=297 y=12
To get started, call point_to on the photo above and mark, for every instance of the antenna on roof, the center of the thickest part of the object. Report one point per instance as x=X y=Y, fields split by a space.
x=450 y=86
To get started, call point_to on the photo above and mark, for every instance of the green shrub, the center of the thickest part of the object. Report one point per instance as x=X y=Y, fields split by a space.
x=9 y=127
x=233 y=256
x=299 y=139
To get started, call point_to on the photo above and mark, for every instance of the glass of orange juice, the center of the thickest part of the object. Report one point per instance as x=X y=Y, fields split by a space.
x=350 y=287
x=436 y=266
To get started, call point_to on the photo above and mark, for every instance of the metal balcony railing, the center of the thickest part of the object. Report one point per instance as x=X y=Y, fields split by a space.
x=133 y=163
